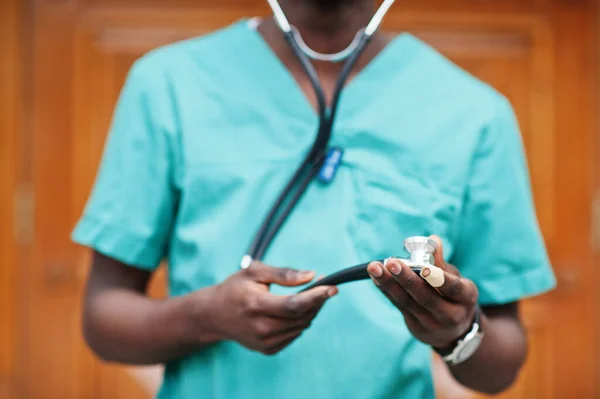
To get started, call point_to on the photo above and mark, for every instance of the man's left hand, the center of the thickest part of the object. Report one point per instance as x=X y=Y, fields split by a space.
x=438 y=318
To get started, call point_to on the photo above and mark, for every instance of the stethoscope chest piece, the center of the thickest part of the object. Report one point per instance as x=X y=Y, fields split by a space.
x=421 y=251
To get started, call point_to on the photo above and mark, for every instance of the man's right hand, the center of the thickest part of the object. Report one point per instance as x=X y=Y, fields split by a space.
x=243 y=309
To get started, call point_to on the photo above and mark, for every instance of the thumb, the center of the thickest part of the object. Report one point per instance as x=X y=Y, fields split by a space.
x=439 y=260
x=279 y=275
x=438 y=255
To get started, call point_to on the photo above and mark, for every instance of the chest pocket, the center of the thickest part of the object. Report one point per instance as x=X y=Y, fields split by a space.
x=393 y=206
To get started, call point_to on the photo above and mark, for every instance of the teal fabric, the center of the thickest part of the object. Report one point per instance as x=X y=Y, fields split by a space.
x=206 y=133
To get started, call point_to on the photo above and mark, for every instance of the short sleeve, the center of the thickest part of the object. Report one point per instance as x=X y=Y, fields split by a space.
x=500 y=246
x=131 y=209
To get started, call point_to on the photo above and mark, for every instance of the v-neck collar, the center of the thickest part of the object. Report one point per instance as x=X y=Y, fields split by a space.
x=278 y=80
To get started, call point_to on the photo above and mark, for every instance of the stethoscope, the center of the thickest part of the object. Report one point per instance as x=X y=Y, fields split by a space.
x=420 y=248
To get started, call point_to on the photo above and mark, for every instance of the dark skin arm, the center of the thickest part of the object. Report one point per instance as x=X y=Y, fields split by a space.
x=441 y=318
x=495 y=365
x=121 y=324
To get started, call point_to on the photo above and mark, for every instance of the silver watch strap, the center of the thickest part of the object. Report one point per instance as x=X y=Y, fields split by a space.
x=475 y=330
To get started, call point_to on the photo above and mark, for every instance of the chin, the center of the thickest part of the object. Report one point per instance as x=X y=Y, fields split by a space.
x=331 y=4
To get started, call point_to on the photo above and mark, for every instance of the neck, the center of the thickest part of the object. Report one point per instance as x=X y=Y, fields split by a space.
x=328 y=26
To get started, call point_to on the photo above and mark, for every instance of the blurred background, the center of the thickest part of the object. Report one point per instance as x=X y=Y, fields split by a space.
x=62 y=64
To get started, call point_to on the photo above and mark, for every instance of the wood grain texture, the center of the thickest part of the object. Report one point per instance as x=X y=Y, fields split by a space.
x=573 y=309
x=58 y=364
x=539 y=53
x=595 y=105
x=10 y=125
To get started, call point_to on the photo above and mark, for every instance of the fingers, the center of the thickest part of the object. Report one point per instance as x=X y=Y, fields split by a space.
x=415 y=286
x=440 y=306
x=274 y=334
x=411 y=294
x=269 y=328
x=271 y=334
x=279 y=275
x=285 y=328
x=399 y=296
x=434 y=276
x=386 y=283
x=458 y=289
x=294 y=306
x=437 y=305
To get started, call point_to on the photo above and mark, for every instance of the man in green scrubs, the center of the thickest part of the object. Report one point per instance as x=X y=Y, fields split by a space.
x=207 y=132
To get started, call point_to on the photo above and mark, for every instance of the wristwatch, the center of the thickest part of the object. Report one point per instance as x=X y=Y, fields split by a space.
x=467 y=345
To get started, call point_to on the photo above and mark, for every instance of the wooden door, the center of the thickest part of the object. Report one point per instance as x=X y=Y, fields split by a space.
x=10 y=161
x=538 y=52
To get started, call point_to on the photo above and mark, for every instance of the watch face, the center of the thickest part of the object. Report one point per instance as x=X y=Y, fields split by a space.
x=469 y=348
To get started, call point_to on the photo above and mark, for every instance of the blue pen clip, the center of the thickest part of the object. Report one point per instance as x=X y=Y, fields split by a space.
x=331 y=165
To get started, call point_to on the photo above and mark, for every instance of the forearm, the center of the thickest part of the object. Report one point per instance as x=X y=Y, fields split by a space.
x=127 y=327
x=495 y=365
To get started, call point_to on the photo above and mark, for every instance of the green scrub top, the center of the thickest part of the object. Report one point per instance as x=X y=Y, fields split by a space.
x=206 y=133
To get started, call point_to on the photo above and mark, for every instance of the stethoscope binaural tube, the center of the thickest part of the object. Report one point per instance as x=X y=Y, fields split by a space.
x=312 y=163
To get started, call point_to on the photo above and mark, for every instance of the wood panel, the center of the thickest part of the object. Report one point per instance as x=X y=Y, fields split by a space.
x=538 y=58
x=411 y=5
x=573 y=305
x=58 y=365
x=596 y=174
x=10 y=118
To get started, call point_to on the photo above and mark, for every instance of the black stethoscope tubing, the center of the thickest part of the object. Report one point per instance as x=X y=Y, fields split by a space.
x=312 y=163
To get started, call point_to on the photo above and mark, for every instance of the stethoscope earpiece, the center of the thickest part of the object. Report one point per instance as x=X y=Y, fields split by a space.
x=368 y=31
